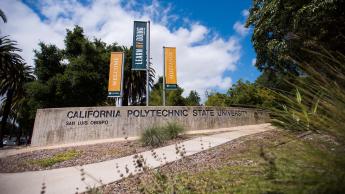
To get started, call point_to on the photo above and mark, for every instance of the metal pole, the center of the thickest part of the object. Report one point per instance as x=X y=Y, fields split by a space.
x=163 y=76
x=121 y=87
x=148 y=67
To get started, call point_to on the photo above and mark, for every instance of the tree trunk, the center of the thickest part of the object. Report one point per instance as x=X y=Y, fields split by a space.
x=18 y=131
x=30 y=137
x=7 y=109
x=125 y=99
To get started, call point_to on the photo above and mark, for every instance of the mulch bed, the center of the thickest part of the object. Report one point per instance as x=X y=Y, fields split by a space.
x=209 y=159
x=87 y=154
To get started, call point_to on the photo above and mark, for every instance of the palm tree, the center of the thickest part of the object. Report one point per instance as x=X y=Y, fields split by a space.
x=3 y=16
x=14 y=73
x=135 y=82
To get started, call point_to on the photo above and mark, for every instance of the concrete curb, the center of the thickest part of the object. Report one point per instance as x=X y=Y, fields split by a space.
x=14 y=151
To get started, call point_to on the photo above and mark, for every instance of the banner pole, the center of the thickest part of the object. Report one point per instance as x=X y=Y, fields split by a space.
x=148 y=67
x=163 y=76
x=121 y=86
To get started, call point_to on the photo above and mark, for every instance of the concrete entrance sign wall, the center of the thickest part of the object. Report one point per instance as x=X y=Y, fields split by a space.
x=66 y=125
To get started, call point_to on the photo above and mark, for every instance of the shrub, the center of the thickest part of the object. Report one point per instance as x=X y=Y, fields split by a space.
x=60 y=157
x=153 y=136
x=157 y=135
x=318 y=103
x=172 y=130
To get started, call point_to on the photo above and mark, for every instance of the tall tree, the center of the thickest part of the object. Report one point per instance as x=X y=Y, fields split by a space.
x=242 y=93
x=246 y=93
x=13 y=75
x=173 y=97
x=193 y=99
x=135 y=82
x=284 y=28
x=48 y=61
x=78 y=74
x=75 y=76
x=216 y=99
x=156 y=95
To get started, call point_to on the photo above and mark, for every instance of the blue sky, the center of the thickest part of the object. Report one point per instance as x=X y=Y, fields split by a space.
x=220 y=16
x=213 y=48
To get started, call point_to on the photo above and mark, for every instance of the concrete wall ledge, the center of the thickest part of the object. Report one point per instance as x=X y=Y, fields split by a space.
x=56 y=126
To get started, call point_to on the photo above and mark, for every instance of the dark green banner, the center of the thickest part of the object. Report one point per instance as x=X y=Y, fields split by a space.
x=139 y=46
x=171 y=86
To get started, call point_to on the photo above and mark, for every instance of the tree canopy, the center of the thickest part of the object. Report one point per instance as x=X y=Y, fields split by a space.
x=284 y=29
x=242 y=94
x=78 y=74
x=173 y=97
x=14 y=74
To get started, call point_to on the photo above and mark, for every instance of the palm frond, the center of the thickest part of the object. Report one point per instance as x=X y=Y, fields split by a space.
x=3 y=16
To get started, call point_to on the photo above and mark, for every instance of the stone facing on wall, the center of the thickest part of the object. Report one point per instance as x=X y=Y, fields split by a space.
x=66 y=125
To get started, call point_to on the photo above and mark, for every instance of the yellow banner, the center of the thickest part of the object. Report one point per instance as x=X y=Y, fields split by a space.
x=170 y=65
x=115 y=74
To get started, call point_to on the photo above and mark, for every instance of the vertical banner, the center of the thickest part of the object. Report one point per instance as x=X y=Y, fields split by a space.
x=139 y=46
x=170 y=68
x=115 y=74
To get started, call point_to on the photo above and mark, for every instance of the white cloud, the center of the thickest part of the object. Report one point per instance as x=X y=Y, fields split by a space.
x=26 y=28
x=201 y=61
x=245 y=13
x=253 y=62
x=240 y=28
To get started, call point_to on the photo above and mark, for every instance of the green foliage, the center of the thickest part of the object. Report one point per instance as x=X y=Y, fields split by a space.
x=275 y=80
x=246 y=93
x=193 y=99
x=81 y=81
x=57 y=158
x=318 y=102
x=172 y=130
x=78 y=75
x=157 y=135
x=300 y=49
x=242 y=94
x=298 y=166
x=156 y=94
x=74 y=42
x=153 y=136
x=284 y=29
x=298 y=116
x=216 y=99
x=48 y=61
x=14 y=74
x=173 y=97
x=135 y=82
x=318 y=105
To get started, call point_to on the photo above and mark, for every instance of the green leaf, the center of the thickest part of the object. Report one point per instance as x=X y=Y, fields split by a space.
x=315 y=106
x=298 y=96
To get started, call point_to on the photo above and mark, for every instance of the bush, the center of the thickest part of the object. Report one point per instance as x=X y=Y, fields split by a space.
x=172 y=130
x=57 y=158
x=318 y=103
x=157 y=135
x=153 y=136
